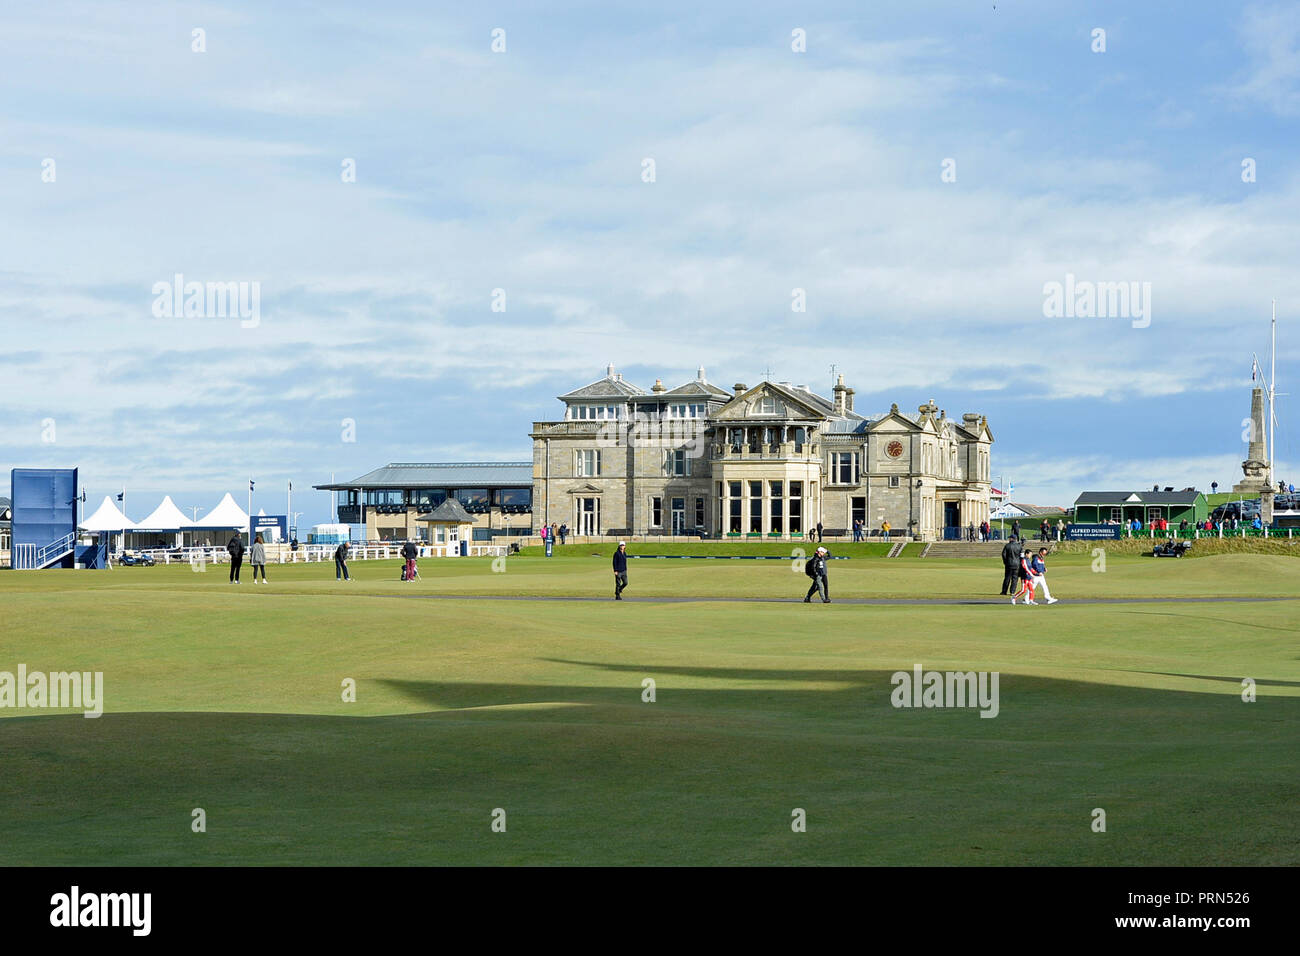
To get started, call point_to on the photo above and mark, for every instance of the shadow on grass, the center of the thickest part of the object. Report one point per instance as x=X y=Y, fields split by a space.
x=703 y=775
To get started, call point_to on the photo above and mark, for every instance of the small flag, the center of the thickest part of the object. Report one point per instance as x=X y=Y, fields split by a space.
x=250 y=484
x=1254 y=369
x=121 y=496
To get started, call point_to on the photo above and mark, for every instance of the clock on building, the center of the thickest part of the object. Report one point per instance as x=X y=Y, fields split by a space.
x=894 y=449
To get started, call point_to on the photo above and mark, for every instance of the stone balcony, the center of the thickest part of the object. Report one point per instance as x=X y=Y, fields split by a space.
x=780 y=451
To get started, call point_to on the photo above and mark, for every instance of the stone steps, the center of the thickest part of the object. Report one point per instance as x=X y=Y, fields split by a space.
x=964 y=549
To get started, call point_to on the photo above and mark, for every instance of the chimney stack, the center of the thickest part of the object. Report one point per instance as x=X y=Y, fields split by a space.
x=658 y=386
x=841 y=397
x=739 y=388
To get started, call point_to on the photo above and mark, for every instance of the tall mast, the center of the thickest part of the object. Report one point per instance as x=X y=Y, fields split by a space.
x=1272 y=385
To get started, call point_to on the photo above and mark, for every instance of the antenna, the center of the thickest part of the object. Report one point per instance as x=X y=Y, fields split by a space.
x=767 y=374
x=1272 y=384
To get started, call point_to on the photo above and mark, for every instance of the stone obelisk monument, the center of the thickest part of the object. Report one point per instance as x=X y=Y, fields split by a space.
x=1255 y=468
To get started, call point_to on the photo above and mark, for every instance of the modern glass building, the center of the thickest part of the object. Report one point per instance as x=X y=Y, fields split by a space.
x=388 y=501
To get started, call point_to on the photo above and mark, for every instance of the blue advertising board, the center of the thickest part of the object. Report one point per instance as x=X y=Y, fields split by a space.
x=44 y=505
x=1094 y=532
x=266 y=524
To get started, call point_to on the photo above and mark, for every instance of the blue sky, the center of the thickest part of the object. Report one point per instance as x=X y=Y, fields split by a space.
x=522 y=171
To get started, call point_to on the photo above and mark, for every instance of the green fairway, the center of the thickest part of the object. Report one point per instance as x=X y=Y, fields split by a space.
x=229 y=698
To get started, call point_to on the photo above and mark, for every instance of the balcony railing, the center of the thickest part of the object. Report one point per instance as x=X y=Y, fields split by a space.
x=760 y=452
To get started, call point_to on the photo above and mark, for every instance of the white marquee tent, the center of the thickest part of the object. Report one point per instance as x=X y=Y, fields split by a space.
x=165 y=519
x=227 y=515
x=108 y=519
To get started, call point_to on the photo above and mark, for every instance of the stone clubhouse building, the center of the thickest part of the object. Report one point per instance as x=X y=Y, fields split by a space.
x=754 y=463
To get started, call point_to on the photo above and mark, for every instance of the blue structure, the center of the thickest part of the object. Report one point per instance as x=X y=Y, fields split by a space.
x=44 y=517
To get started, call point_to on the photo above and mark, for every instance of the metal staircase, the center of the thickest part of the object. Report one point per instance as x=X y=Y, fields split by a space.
x=27 y=557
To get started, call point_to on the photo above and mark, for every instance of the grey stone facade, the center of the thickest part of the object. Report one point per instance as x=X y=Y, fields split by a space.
x=767 y=462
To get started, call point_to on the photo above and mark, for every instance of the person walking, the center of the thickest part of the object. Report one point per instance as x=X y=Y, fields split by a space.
x=815 y=568
x=1025 y=575
x=564 y=532
x=341 y=563
x=1010 y=564
x=235 y=547
x=257 y=558
x=1038 y=568
x=620 y=570
x=410 y=552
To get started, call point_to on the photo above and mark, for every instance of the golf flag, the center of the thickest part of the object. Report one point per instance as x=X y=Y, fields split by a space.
x=1011 y=486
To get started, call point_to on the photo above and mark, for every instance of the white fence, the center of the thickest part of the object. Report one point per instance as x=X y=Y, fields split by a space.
x=309 y=553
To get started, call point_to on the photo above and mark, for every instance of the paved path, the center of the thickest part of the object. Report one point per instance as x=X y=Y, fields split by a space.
x=875 y=602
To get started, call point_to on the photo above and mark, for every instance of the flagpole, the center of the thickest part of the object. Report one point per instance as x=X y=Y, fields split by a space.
x=1272 y=383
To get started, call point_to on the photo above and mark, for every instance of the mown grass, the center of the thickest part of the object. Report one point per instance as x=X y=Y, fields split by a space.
x=229 y=698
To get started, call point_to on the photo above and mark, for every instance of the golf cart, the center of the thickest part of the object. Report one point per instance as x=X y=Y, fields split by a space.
x=130 y=558
x=1171 y=549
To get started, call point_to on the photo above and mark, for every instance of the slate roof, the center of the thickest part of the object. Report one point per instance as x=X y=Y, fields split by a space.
x=1143 y=497
x=449 y=510
x=470 y=474
x=607 y=387
x=1035 y=511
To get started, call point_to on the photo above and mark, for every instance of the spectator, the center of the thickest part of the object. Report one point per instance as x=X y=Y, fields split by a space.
x=235 y=547
x=257 y=557
x=564 y=532
x=884 y=530
x=1010 y=562
x=1015 y=529
x=819 y=532
x=815 y=568
x=620 y=570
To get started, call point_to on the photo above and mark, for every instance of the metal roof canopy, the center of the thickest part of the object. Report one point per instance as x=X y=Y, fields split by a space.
x=474 y=474
x=1137 y=498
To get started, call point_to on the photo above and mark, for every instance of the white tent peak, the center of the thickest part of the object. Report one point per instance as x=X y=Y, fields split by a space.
x=227 y=514
x=166 y=517
x=107 y=517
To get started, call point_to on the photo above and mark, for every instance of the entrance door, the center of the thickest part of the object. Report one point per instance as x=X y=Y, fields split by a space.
x=679 y=516
x=588 y=516
x=952 y=519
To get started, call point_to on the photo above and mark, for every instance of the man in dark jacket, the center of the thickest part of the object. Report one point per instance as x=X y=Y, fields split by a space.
x=235 y=546
x=620 y=570
x=815 y=568
x=410 y=552
x=1011 y=563
x=341 y=563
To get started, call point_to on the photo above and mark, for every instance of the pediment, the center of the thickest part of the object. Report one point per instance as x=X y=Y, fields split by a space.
x=748 y=406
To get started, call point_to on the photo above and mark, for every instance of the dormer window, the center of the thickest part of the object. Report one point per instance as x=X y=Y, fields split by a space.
x=592 y=412
x=767 y=405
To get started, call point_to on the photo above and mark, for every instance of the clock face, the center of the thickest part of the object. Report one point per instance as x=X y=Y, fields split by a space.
x=894 y=449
